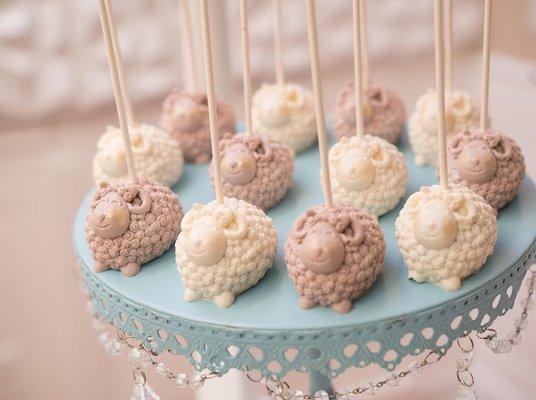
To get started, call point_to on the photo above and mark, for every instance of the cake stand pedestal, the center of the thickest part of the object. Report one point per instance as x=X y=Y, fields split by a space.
x=265 y=332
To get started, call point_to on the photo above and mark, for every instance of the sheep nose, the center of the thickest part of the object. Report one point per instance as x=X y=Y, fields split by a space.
x=234 y=164
x=432 y=226
x=318 y=252
x=476 y=162
x=197 y=243
x=101 y=217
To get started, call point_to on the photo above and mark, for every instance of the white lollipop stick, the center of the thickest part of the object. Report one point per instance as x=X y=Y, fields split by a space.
x=117 y=55
x=440 y=88
x=187 y=20
x=319 y=107
x=365 y=57
x=278 y=43
x=211 y=97
x=448 y=45
x=485 y=67
x=118 y=92
x=246 y=75
x=358 y=77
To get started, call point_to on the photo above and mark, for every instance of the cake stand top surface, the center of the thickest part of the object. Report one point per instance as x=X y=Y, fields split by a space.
x=271 y=307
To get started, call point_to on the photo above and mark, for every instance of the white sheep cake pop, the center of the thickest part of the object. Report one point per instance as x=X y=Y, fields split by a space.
x=131 y=223
x=333 y=256
x=224 y=249
x=255 y=169
x=368 y=173
x=445 y=235
x=285 y=113
x=488 y=162
x=383 y=110
x=460 y=113
x=185 y=117
x=157 y=156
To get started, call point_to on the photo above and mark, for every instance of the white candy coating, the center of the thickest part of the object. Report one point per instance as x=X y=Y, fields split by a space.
x=285 y=113
x=445 y=235
x=368 y=173
x=157 y=156
x=460 y=113
x=224 y=249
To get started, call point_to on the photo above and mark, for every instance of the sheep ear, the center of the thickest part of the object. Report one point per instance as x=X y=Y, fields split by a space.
x=464 y=210
x=335 y=153
x=301 y=226
x=235 y=226
x=378 y=155
x=501 y=147
x=356 y=235
x=457 y=142
x=413 y=201
x=145 y=205
x=262 y=148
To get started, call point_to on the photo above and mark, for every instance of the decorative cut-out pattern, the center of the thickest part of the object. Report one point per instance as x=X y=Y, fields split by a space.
x=268 y=352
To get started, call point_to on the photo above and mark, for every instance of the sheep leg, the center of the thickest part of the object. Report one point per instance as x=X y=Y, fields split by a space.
x=306 y=303
x=419 y=278
x=131 y=269
x=342 y=307
x=452 y=283
x=191 y=295
x=100 y=267
x=224 y=300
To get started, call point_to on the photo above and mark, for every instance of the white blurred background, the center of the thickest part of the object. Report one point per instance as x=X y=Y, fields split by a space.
x=56 y=98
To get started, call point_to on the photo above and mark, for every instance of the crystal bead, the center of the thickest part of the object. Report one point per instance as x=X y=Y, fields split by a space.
x=98 y=325
x=415 y=369
x=114 y=347
x=143 y=392
x=104 y=338
x=197 y=382
x=466 y=393
x=522 y=323
x=298 y=395
x=527 y=303
x=464 y=361
x=371 y=388
x=321 y=395
x=346 y=393
x=514 y=338
x=138 y=358
x=274 y=385
x=162 y=369
x=394 y=380
x=286 y=393
x=182 y=381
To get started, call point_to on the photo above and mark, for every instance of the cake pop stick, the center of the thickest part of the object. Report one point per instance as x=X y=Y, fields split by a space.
x=440 y=88
x=448 y=45
x=211 y=97
x=246 y=76
x=105 y=18
x=358 y=62
x=365 y=57
x=117 y=54
x=486 y=44
x=319 y=106
x=278 y=43
x=190 y=59
x=436 y=223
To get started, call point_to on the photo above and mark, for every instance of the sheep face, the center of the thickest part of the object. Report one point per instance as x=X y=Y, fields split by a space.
x=110 y=217
x=435 y=226
x=277 y=108
x=322 y=249
x=187 y=114
x=476 y=162
x=205 y=240
x=238 y=164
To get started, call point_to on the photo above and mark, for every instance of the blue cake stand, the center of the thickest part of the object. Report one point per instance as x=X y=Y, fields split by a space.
x=266 y=331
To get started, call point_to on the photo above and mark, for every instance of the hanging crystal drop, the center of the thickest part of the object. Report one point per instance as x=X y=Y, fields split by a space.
x=162 y=369
x=104 y=337
x=464 y=361
x=415 y=369
x=298 y=395
x=197 y=382
x=321 y=395
x=138 y=358
x=142 y=391
x=114 y=347
x=98 y=325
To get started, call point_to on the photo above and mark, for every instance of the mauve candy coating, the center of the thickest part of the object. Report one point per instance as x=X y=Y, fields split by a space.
x=154 y=214
x=469 y=165
x=364 y=248
x=384 y=112
x=185 y=117
x=274 y=164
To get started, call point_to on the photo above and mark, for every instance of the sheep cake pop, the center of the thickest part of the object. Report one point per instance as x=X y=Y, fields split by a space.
x=445 y=232
x=485 y=160
x=384 y=112
x=334 y=253
x=366 y=171
x=461 y=112
x=157 y=156
x=135 y=221
x=185 y=112
x=284 y=111
x=254 y=167
x=225 y=246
